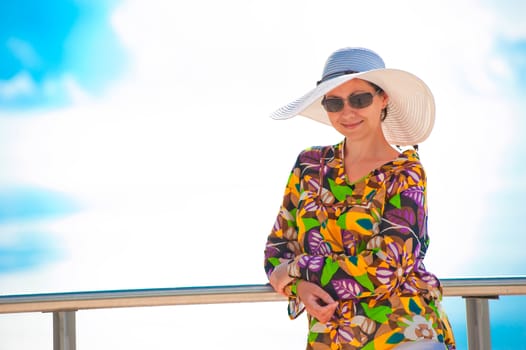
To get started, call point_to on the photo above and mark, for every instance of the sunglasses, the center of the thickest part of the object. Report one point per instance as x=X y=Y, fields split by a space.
x=361 y=100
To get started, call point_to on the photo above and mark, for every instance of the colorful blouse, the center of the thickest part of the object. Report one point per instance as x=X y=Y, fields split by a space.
x=364 y=243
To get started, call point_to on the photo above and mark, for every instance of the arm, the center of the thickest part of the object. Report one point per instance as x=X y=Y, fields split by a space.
x=282 y=247
x=282 y=244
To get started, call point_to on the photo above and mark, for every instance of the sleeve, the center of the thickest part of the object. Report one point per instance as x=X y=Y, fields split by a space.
x=391 y=254
x=282 y=243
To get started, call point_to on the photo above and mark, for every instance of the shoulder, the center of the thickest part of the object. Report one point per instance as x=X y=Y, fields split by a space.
x=407 y=171
x=409 y=162
x=314 y=154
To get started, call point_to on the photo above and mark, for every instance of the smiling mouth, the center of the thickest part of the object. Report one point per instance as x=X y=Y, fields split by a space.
x=352 y=125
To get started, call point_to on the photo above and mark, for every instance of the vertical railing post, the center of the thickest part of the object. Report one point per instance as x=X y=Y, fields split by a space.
x=64 y=332
x=477 y=314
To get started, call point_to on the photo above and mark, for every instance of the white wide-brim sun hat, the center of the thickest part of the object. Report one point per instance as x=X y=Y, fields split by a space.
x=411 y=107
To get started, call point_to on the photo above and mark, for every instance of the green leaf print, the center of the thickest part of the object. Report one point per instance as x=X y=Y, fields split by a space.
x=378 y=314
x=365 y=281
x=310 y=223
x=274 y=261
x=369 y=346
x=361 y=247
x=395 y=201
x=339 y=191
x=329 y=269
x=433 y=306
x=341 y=221
x=312 y=337
x=377 y=217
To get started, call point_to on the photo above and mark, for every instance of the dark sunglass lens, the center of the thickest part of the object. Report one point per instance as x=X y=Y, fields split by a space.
x=361 y=100
x=333 y=104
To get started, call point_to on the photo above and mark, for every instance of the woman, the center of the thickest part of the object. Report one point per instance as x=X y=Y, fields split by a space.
x=349 y=241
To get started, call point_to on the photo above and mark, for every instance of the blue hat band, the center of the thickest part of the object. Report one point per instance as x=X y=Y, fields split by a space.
x=334 y=75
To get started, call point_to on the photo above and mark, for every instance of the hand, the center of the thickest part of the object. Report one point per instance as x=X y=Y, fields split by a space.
x=280 y=278
x=317 y=301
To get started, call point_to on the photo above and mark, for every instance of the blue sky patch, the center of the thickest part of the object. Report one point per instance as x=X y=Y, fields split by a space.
x=514 y=52
x=27 y=204
x=44 y=42
x=27 y=251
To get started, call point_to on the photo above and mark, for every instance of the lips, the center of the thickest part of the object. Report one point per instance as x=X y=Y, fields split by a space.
x=352 y=125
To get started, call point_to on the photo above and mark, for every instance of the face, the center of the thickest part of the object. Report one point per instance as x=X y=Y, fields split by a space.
x=358 y=123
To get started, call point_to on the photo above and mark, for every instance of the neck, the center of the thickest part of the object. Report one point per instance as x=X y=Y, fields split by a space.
x=368 y=149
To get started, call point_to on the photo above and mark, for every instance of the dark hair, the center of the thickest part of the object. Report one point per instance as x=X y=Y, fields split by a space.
x=380 y=91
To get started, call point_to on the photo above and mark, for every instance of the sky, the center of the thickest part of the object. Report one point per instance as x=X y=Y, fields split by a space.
x=137 y=152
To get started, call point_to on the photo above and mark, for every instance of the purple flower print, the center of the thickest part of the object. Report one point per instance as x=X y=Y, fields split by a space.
x=316 y=243
x=416 y=194
x=404 y=217
x=310 y=206
x=343 y=335
x=430 y=279
x=350 y=242
x=347 y=288
x=384 y=275
x=312 y=263
x=422 y=222
x=311 y=160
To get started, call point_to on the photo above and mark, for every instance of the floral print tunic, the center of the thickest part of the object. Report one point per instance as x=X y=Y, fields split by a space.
x=364 y=243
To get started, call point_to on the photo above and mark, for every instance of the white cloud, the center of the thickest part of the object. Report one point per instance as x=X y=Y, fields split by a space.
x=24 y=52
x=203 y=82
x=23 y=85
x=267 y=54
x=20 y=85
x=510 y=17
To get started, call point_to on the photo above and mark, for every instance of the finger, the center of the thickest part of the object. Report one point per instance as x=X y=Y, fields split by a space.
x=276 y=287
x=323 y=309
x=325 y=297
x=323 y=317
x=331 y=308
x=326 y=312
x=275 y=282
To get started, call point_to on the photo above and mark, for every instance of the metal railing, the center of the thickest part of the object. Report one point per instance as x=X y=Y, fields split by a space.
x=476 y=291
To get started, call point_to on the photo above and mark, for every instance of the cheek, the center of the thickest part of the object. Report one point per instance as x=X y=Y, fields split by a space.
x=332 y=118
x=377 y=111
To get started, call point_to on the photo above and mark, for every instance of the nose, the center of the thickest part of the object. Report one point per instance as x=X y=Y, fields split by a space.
x=347 y=109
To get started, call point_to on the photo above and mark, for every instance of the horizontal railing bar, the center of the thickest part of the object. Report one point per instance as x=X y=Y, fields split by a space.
x=51 y=302
x=137 y=298
x=484 y=286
